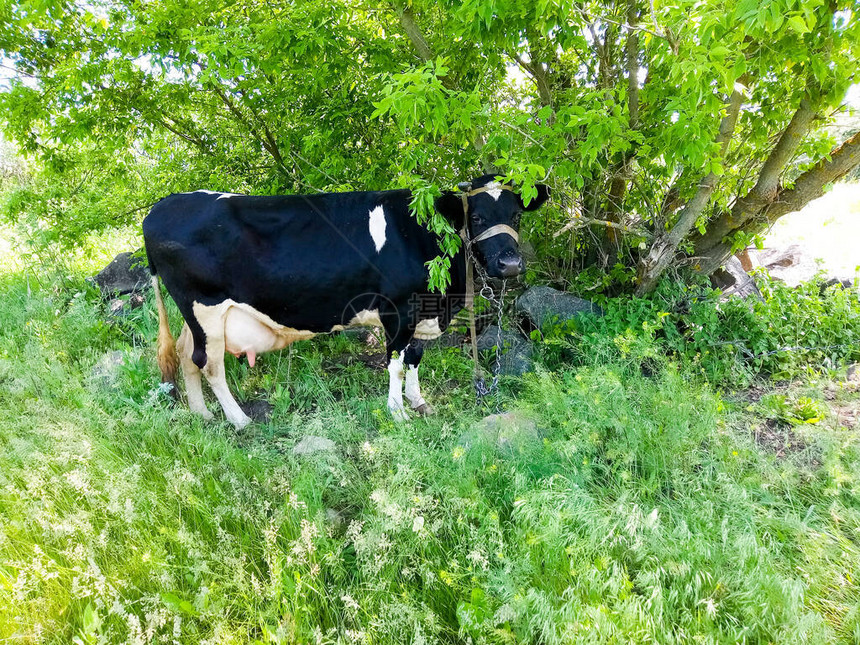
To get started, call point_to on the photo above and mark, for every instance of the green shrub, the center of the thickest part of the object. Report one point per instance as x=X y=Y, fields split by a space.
x=787 y=332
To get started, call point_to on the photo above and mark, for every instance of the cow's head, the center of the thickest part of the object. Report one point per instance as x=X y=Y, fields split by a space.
x=494 y=211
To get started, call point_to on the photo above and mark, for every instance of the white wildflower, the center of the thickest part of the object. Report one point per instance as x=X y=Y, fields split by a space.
x=478 y=559
x=349 y=602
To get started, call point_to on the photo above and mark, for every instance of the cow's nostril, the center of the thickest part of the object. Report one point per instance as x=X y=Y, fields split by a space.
x=510 y=266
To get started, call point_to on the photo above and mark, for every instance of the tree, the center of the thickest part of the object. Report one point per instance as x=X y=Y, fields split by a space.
x=671 y=134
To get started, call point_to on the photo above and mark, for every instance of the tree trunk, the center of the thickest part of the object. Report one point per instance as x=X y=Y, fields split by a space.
x=621 y=171
x=665 y=245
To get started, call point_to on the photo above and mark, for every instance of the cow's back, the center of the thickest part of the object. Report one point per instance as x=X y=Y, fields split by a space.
x=299 y=259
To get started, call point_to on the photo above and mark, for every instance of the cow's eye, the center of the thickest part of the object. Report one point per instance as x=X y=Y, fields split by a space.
x=515 y=220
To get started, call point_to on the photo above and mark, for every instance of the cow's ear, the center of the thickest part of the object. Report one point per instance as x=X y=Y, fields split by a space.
x=542 y=196
x=450 y=206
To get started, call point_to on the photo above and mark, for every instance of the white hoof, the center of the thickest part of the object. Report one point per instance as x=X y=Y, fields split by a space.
x=240 y=422
x=399 y=414
x=204 y=412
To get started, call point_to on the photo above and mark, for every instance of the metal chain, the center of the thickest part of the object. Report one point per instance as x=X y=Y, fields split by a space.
x=483 y=390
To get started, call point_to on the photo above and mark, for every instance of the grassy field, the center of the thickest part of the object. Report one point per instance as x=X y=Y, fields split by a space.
x=641 y=506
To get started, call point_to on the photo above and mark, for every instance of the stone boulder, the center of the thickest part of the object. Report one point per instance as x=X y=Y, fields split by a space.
x=542 y=305
x=125 y=274
x=119 y=308
x=733 y=280
x=791 y=265
x=259 y=410
x=517 y=350
x=509 y=432
x=312 y=444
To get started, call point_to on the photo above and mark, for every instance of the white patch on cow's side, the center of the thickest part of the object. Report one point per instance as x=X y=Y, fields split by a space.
x=428 y=329
x=494 y=190
x=215 y=192
x=376 y=223
x=364 y=318
x=395 y=389
x=413 y=390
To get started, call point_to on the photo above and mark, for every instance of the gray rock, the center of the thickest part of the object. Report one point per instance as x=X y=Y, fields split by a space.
x=488 y=339
x=543 y=305
x=778 y=257
x=518 y=361
x=792 y=265
x=259 y=410
x=449 y=339
x=517 y=350
x=844 y=283
x=121 y=307
x=106 y=371
x=733 y=280
x=125 y=274
x=509 y=432
x=312 y=444
x=116 y=308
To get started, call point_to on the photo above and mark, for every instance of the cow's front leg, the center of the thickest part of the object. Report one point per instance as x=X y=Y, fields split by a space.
x=412 y=358
x=395 y=388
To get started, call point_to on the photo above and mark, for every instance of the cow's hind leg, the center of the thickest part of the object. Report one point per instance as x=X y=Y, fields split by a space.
x=411 y=359
x=191 y=375
x=217 y=377
x=212 y=322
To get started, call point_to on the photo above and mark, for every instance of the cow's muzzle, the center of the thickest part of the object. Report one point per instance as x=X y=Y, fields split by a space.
x=509 y=265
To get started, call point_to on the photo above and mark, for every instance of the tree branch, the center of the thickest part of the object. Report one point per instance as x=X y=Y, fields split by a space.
x=199 y=143
x=267 y=142
x=407 y=21
x=810 y=185
x=622 y=170
x=632 y=54
x=767 y=186
x=539 y=75
x=665 y=246
x=578 y=220
x=413 y=32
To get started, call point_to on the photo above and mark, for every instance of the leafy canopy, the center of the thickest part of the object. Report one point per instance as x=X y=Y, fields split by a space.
x=617 y=105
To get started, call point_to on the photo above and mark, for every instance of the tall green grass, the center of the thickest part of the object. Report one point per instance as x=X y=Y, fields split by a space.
x=639 y=508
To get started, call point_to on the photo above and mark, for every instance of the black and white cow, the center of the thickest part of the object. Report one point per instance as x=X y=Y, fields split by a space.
x=254 y=274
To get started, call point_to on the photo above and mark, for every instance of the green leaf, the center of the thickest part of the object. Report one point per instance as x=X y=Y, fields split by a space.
x=92 y=621
x=797 y=23
x=740 y=67
x=177 y=604
x=719 y=52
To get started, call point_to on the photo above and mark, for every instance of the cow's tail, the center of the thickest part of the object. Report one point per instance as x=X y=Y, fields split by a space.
x=167 y=358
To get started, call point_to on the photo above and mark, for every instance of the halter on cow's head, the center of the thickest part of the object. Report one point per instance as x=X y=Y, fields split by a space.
x=491 y=213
